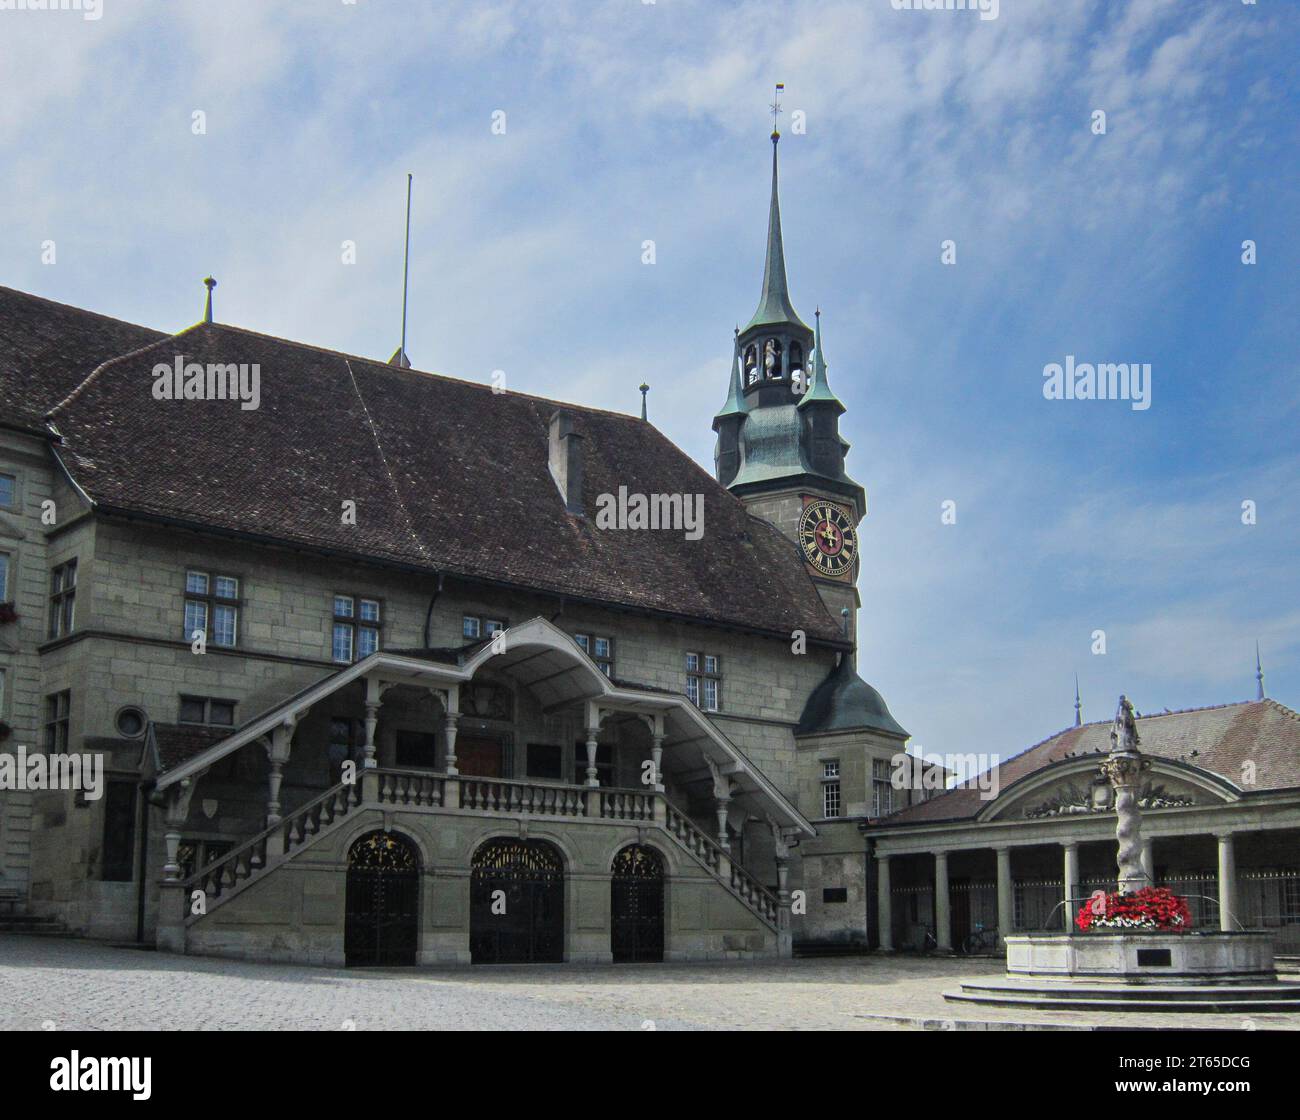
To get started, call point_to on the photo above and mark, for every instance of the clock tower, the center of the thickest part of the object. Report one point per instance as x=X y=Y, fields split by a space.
x=779 y=447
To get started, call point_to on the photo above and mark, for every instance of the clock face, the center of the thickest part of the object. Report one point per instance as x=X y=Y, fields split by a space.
x=827 y=538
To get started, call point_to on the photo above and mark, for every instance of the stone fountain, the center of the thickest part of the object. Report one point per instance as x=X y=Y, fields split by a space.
x=1136 y=969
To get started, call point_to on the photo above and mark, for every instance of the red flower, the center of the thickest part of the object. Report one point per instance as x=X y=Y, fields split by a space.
x=1148 y=908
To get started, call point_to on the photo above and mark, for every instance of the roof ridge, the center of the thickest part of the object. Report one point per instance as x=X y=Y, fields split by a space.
x=94 y=373
x=4 y=288
x=385 y=367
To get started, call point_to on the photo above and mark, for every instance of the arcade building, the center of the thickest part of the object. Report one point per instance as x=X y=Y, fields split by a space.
x=356 y=707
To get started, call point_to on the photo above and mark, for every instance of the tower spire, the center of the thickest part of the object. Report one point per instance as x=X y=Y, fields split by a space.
x=1259 y=675
x=734 y=405
x=774 y=302
x=1078 y=706
x=818 y=388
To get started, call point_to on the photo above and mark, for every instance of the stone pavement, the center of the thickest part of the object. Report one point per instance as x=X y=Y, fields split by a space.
x=60 y=984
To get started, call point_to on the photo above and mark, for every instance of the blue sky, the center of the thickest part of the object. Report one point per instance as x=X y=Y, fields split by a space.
x=628 y=121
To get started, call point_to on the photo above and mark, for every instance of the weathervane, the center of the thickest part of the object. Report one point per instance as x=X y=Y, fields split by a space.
x=776 y=109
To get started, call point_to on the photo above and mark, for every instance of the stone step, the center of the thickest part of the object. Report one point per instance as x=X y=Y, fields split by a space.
x=1110 y=994
x=1065 y=1003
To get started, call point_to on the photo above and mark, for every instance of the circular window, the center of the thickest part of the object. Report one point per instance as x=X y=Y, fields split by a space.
x=130 y=722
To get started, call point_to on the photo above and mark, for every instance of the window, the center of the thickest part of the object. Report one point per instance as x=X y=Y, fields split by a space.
x=130 y=722
x=212 y=599
x=4 y=577
x=345 y=735
x=704 y=681
x=600 y=649
x=8 y=492
x=831 y=787
x=835 y=894
x=356 y=628
x=417 y=749
x=882 y=789
x=545 y=760
x=63 y=597
x=207 y=710
x=2 y=692
x=58 y=705
x=119 y=833
x=474 y=626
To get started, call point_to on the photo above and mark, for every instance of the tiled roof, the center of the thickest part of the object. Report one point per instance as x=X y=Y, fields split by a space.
x=48 y=348
x=462 y=486
x=178 y=742
x=1221 y=739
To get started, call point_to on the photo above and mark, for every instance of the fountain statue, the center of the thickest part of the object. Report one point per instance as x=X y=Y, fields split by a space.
x=1123 y=769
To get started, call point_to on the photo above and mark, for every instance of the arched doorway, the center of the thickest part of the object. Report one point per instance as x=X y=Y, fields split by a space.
x=516 y=902
x=636 y=905
x=383 y=924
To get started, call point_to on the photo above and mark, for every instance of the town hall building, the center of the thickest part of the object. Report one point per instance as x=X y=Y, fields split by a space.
x=372 y=684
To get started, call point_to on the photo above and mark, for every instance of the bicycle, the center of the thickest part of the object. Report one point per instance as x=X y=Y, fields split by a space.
x=979 y=940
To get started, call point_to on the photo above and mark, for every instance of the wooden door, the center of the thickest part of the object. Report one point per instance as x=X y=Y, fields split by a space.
x=479 y=757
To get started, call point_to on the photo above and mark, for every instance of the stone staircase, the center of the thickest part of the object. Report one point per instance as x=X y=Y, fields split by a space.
x=232 y=873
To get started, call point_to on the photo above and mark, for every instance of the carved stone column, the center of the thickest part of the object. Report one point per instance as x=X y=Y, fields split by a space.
x=1227 y=883
x=1070 y=882
x=374 y=693
x=278 y=753
x=450 y=725
x=656 y=756
x=884 y=905
x=721 y=805
x=169 y=934
x=1123 y=769
x=1006 y=894
x=942 y=907
x=593 y=742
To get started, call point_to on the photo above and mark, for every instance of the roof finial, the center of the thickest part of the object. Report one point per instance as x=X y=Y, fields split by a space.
x=1078 y=705
x=1259 y=675
x=208 y=283
x=776 y=110
x=644 y=390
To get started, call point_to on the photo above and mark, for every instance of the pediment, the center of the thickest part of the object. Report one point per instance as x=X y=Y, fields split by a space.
x=1076 y=788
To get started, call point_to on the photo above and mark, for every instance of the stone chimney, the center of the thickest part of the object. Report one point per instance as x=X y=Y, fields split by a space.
x=566 y=460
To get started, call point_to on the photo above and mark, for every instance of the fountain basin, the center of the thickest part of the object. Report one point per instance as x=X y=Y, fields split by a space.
x=1143 y=957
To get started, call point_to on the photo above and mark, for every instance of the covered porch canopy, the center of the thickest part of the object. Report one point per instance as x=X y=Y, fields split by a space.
x=539 y=657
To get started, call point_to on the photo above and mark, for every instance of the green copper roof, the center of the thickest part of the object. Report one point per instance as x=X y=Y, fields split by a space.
x=820 y=389
x=774 y=302
x=735 y=405
x=845 y=702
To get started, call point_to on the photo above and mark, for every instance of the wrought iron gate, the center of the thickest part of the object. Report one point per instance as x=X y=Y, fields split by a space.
x=516 y=903
x=383 y=924
x=637 y=905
